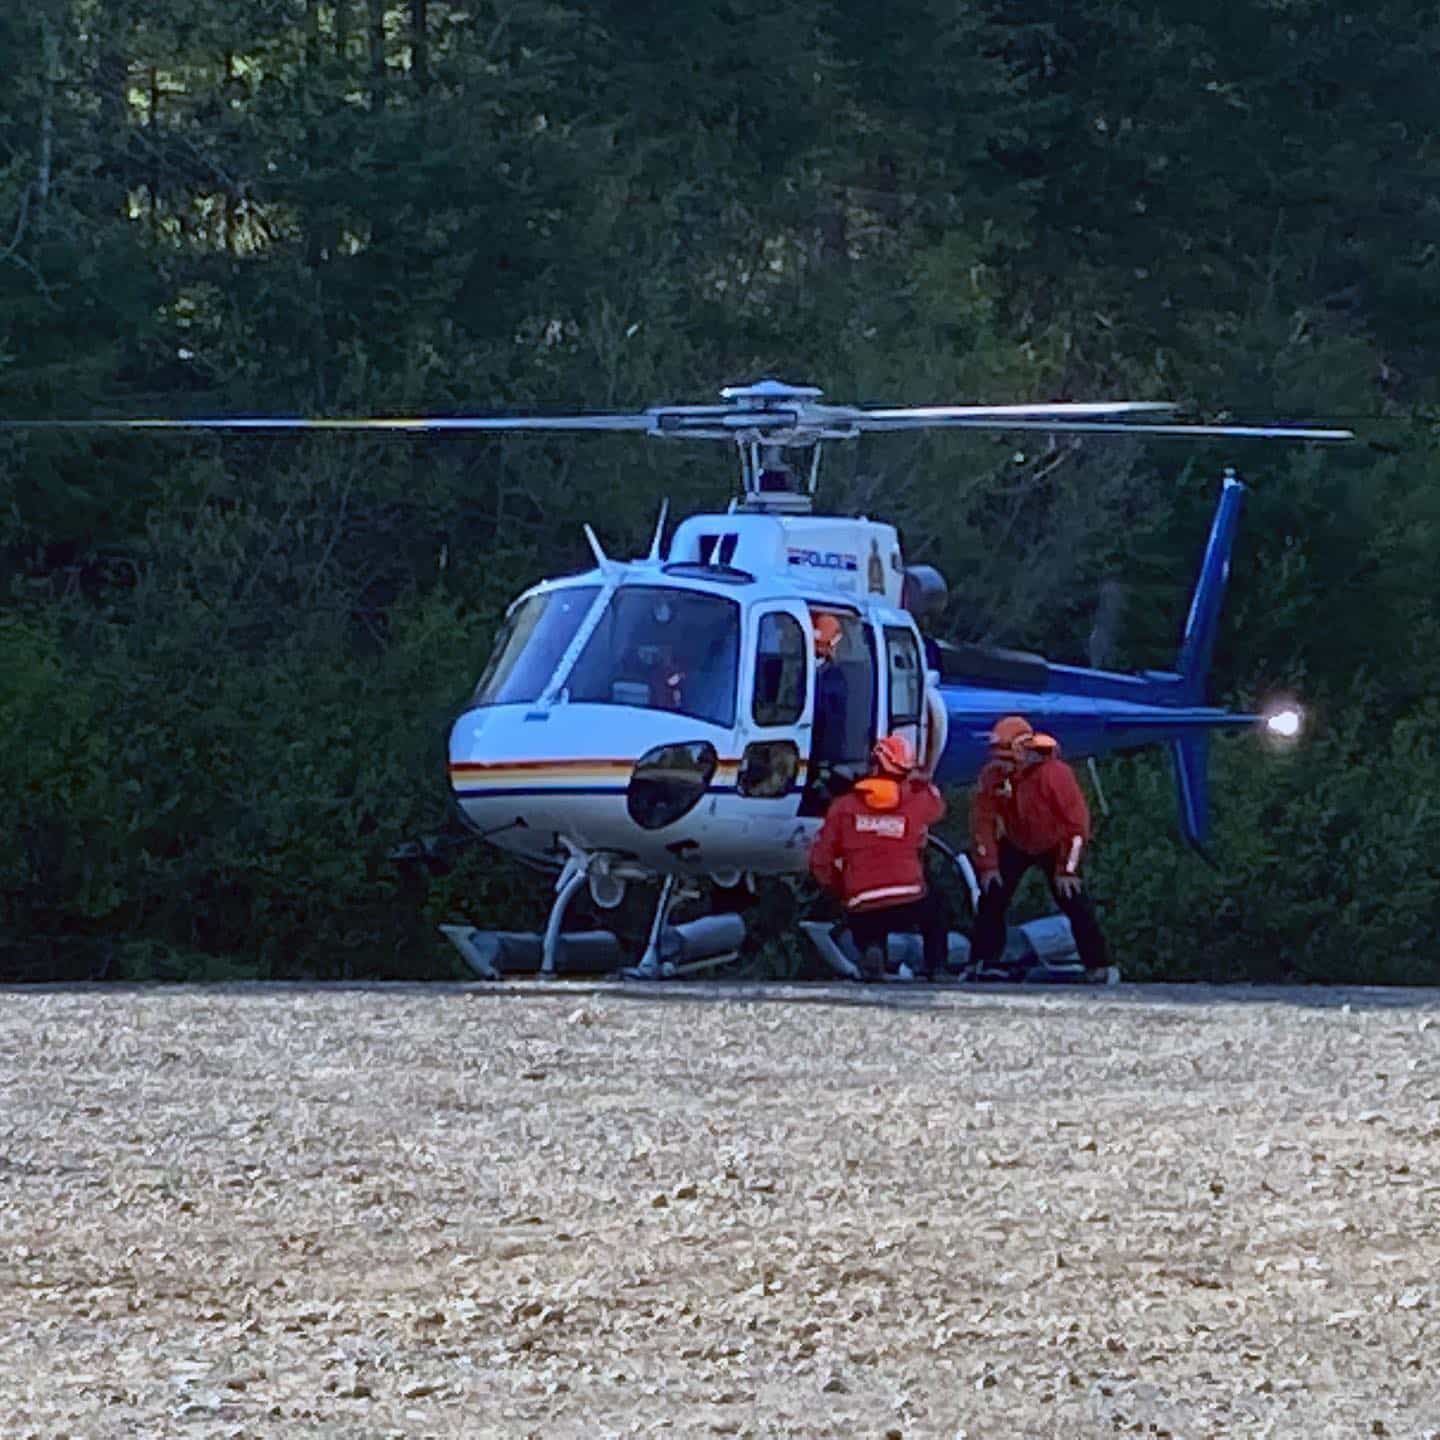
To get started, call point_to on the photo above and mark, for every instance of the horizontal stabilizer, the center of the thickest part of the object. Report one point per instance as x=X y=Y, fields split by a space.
x=1198 y=720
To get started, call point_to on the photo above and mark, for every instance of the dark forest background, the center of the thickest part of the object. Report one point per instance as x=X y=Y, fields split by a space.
x=227 y=665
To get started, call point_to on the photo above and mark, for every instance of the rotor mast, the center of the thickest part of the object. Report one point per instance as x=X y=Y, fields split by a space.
x=770 y=481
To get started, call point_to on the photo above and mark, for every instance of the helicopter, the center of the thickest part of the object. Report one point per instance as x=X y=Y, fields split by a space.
x=659 y=718
x=671 y=719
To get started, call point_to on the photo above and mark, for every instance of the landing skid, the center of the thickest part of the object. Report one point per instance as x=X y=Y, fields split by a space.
x=671 y=951
x=598 y=954
x=1039 y=952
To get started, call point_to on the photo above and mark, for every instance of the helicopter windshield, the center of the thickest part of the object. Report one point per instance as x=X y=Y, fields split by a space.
x=531 y=643
x=660 y=648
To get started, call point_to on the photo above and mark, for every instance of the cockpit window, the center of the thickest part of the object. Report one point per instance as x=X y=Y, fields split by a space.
x=663 y=649
x=531 y=643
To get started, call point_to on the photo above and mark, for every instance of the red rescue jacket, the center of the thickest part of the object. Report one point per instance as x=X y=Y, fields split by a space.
x=870 y=848
x=1039 y=809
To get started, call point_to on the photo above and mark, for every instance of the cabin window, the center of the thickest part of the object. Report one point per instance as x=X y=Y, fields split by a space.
x=907 y=679
x=662 y=648
x=781 y=666
x=534 y=637
x=768 y=769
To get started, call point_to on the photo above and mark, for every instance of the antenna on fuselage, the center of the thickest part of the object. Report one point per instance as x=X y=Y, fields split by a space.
x=606 y=564
x=654 y=555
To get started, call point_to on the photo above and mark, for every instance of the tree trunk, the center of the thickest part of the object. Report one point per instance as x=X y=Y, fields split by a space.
x=377 y=53
x=312 y=33
x=112 y=76
x=152 y=121
x=50 y=47
x=420 y=44
x=342 y=27
x=833 y=226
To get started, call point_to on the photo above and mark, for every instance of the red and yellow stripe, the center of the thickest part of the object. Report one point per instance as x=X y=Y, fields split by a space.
x=564 y=774
x=540 y=772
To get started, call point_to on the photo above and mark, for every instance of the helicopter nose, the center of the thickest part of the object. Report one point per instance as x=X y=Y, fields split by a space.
x=589 y=773
x=497 y=753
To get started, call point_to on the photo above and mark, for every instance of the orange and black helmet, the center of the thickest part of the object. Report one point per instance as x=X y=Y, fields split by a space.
x=894 y=755
x=1013 y=733
x=1010 y=732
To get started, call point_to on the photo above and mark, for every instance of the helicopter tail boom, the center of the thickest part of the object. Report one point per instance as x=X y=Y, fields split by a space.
x=1189 y=729
x=1098 y=712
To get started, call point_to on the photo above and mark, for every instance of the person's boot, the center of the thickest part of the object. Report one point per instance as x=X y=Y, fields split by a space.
x=999 y=969
x=872 y=963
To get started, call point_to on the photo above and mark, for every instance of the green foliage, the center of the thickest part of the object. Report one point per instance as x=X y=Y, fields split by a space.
x=227 y=666
x=1324 y=861
x=59 y=846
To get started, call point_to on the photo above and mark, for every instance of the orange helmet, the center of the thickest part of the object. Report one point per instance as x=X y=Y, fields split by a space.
x=1010 y=732
x=1041 y=741
x=827 y=632
x=894 y=755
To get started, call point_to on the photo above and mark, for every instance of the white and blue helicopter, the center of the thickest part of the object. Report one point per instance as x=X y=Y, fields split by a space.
x=670 y=718
x=667 y=719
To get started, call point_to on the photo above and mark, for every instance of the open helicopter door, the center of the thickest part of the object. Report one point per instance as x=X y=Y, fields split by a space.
x=847 y=696
x=903 y=672
x=777 y=710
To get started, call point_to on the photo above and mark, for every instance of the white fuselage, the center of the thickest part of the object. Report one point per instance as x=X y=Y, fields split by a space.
x=708 y=653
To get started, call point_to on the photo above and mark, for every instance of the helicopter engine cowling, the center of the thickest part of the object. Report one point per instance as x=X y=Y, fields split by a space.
x=924 y=593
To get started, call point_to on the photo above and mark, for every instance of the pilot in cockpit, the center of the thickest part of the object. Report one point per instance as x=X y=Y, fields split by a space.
x=663 y=674
x=654 y=658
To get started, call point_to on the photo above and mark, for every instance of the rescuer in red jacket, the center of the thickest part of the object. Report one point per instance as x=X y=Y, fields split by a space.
x=1028 y=809
x=870 y=850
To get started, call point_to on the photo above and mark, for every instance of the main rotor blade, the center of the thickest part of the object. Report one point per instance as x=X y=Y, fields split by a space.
x=1120 y=427
x=798 y=423
x=412 y=423
x=1080 y=409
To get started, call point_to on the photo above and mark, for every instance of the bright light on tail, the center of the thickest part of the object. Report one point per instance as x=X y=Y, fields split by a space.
x=1285 y=721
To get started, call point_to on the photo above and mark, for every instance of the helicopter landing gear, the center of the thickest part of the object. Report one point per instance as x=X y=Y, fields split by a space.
x=652 y=965
x=670 y=951
x=572 y=877
x=675 y=952
x=606 y=877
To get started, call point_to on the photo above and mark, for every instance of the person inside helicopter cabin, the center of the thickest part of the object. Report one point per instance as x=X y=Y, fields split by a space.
x=829 y=737
x=663 y=675
x=870 y=854
x=1028 y=810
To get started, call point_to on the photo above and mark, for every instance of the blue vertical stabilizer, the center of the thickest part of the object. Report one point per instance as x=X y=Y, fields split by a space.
x=1198 y=644
x=1191 y=753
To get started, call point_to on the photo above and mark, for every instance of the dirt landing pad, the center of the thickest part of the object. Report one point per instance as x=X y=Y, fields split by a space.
x=454 y=1210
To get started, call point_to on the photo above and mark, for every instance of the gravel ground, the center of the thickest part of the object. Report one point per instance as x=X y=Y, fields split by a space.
x=592 y=1210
